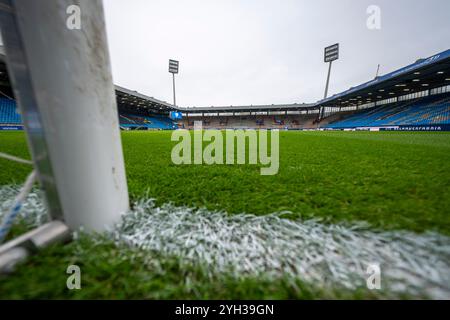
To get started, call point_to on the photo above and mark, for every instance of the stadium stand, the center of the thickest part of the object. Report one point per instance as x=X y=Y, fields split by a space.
x=130 y=121
x=430 y=110
x=413 y=98
x=10 y=116
x=245 y=122
x=8 y=112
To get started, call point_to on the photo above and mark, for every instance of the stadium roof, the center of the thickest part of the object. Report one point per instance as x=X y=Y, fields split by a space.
x=271 y=107
x=424 y=74
x=141 y=101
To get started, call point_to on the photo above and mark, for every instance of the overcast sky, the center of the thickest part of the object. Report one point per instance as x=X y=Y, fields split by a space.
x=265 y=51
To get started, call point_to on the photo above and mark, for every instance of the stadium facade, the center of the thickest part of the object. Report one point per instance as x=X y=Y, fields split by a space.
x=413 y=98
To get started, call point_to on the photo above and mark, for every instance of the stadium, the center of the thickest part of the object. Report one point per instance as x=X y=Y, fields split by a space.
x=413 y=98
x=362 y=186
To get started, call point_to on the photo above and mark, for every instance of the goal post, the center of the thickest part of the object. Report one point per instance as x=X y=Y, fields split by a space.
x=63 y=84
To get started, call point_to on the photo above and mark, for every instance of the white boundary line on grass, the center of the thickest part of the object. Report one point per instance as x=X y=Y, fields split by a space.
x=325 y=255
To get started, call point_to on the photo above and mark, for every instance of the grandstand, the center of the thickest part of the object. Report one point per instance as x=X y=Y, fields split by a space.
x=151 y=115
x=287 y=122
x=434 y=110
x=140 y=112
x=136 y=111
x=10 y=119
x=132 y=121
x=8 y=112
x=415 y=97
x=289 y=117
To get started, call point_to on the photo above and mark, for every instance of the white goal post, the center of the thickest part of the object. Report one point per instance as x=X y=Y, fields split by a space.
x=62 y=81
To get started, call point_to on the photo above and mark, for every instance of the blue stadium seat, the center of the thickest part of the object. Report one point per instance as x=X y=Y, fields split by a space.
x=9 y=116
x=8 y=112
x=430 y=110
x=128 y=120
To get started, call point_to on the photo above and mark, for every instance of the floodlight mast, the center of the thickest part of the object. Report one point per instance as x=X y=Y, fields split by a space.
x=62 y=80
x=328 y=80
x=173 y=85
x=173 y=68
x=331 y=54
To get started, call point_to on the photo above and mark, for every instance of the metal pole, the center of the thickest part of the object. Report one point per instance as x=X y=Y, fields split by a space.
x=322 y=109
x=173 y=82
x=328 y=81
x=18 y=249
x=67 y=82
x=378 y=70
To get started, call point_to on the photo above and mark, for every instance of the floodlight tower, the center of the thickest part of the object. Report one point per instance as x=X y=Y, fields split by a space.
x=173 y=69
x=331 y=54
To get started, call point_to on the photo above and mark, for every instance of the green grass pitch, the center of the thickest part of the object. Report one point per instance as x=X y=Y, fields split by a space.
x=394 y=181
